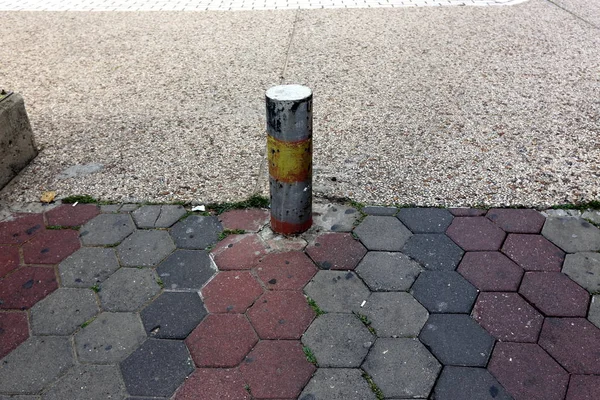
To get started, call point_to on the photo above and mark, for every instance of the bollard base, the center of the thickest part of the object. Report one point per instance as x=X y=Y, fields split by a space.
x=288 y=228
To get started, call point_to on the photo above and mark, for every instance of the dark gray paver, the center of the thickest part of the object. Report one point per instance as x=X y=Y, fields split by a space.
x=425 y=220
x=186 y=269
x=128 y=208
x=388 y=271
x=402 y=368
x=157 y=216
x=444 y=292
x=338 y=340
x=456 y=339
x=461 y=383
x=35 y=364
x=106 y=229
x=109 y=208
x=572 y=234
x=381 y=211
x=157 y=368
x=145 y=248
x=63 y=311
x=337 y=291
x=334 y=217
x=435 y=251
x=382 y=233
x=87 y=267
x=196 y=232
x=584 y=268
x=109 y=338
x=594 y=312
x=90 y=382
x=173 y=315
x=337 y=384
x=128 y=289
x=395 y=314
x=592 y=215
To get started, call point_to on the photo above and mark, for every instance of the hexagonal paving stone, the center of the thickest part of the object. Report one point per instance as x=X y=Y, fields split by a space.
x=36 y=362
x=554 y=294
x=62 y=312
x=249 y=220
x=196 y=232
x=334 y=217
x=173 y=315
x=574 y=343
x=528 y=372
x=279 y=243
x=456 y=339
x=594 y=312
x=156 y=368
x=286 y=271
x=9 y=259
x=50 y=246
x=221 y=340
x=205 y=383
x=13 y=331
x=584 y=268
x=467 y=212
x=338 y=340
x=281 y=315
x=93 y=382
x=476 y=234
x=126 y=208
x=394 y=314
x=237 y=252
x=145 y=248
x=444 y=292
x=459 y=383
x=285 y=365
x=382 y=233
x=571 y=234
x=388 y=271
x=402 y=368
x=87 y=267
x=434 y=251
x=583 y=387
x=379 y=210
x=336 y=251
x=508 y=317
x=67 y=215
x=157 y=216
x=337 y=291
x=517 y=220
x=337 y=384
x=106 y=230
x=110 y=338
x=26 y=286
x=490 y=271
x=231 y=291
x=128 y=289
x=533 y=252
x=186 y=269
x=22 y=228
x=425 y=220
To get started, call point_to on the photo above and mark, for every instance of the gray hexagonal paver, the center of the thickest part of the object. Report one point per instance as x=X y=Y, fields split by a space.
x=87 y=267
x=63 y=311
x=337 y=291
x=337 y=384
x=402 y=368
x=594 y=312
x=584 y=268
x=128 y=289
x=338 y=340
x=92 y=382
x=106 y=229
x=572 y=234
x=444 y=292
x=388 y=271
x=425 y=220
x=110 y=338
x=435 y=251
x=196 y=232
x=382 y=233
x=173 y=315
x=157 y=216
x=186 y=269
x=395 y=314
x=460 y=383
x=145 y=248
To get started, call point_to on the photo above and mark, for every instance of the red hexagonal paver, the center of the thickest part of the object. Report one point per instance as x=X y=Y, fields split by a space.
x=527 y=372
x=554 y=294
x=20 y=229
x=51 y=246
x=213 y=383
x=517 y=221
x=336 y=251
x=276 y=369
x=231 y=291
x=26 y=286
x=13 y=331
x=508 y=317
x=221 y=340
x=533 y=252
x=69 y=215
x=574 y=343
x=491 y=271
x=281 y=315
x=583 y=387
x=467 y=212
x=475 y=233
x=9 y=259
x=237 y=252
x=286 y=271
x=251 y=220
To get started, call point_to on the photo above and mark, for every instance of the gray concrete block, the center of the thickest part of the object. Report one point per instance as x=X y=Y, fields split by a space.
x=126 y=208
x=157 y=216
x=106 y=230
x=460 y=383
x=425 y=220
x=395 y=314
x=572 y=234
x=337 y=291
x=173 y=315
x=145 y=248
x=382 y=233
x=381 y=211
x=128 y=289
x=90 y=382
x=594 y=312
x=444 y=292
x=584 y=268
x=63 y=311
x=109 y=208
x=196 y=232
x=87 y=267
x=186 y=269
x=388 y=271
x=334 y=217
x=337 y=384
x=435 y=251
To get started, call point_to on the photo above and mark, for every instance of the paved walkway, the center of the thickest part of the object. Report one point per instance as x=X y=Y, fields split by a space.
x=102 y=302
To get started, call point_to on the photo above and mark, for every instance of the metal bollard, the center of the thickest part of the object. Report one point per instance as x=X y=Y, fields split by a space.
x=289 y=148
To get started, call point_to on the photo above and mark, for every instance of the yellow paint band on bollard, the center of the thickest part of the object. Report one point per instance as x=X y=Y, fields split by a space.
x=289 y=161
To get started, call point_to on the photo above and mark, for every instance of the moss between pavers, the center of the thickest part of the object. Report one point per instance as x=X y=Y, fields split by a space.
x=373 y=386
